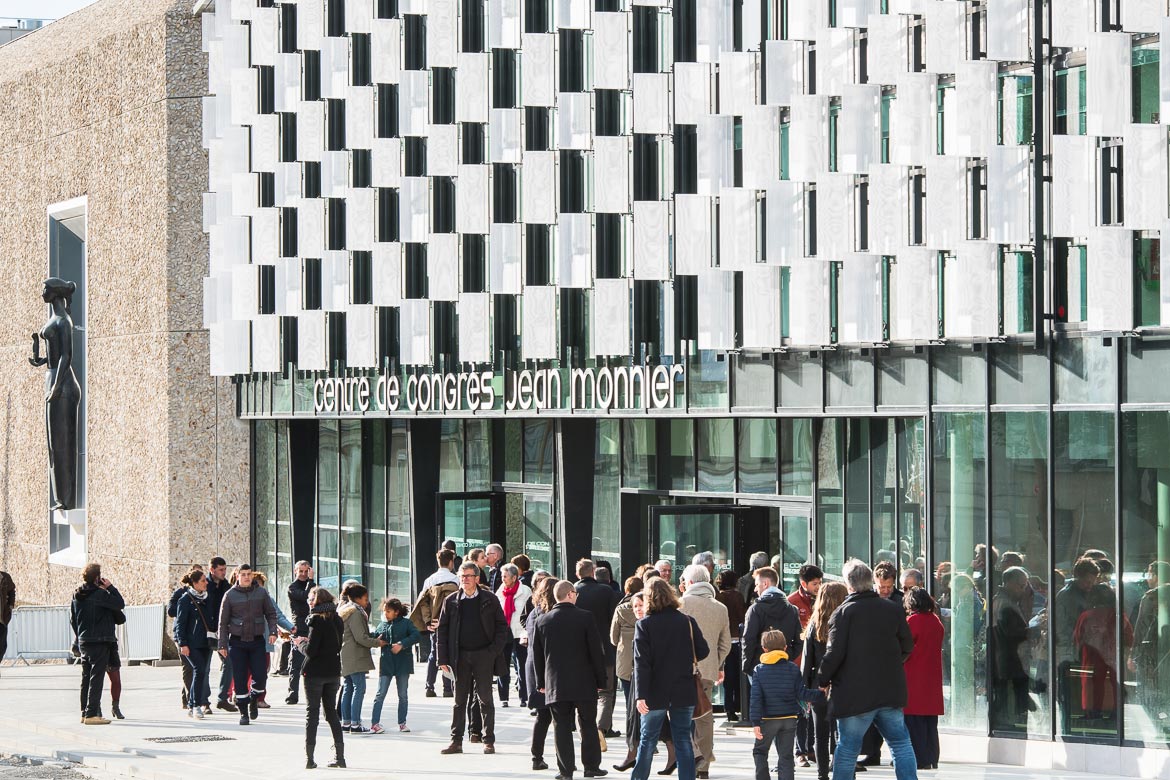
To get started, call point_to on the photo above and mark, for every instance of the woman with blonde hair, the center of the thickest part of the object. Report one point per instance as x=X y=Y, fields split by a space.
x=816 y=635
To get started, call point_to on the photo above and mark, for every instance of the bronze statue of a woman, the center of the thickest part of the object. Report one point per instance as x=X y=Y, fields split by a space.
x=62 y=392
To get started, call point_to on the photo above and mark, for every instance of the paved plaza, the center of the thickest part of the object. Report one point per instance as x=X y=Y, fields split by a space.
x=38 y=717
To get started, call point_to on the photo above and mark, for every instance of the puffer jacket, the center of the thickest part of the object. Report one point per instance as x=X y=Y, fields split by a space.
x=699 y=602
x=399 y=631
x=95 y=612
x=777 y=688
x=621 y=635
x=246 y=614
x=770 y=611
x=323 y=650
x=356 y=640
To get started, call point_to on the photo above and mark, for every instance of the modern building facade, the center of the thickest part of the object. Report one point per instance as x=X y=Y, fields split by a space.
x=641 y=279
x=102 y=175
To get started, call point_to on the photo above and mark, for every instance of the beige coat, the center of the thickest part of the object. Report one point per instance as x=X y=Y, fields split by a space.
x=621 y=636
x=699 y=602
x=356 y=641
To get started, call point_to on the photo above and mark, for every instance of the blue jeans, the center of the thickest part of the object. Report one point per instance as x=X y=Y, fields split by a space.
x=403 y=681
x=891 y=725
x=199 y=659
x=353 y=691
x=680 y=732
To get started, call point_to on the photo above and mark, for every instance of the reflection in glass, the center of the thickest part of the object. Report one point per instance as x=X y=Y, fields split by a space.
x=855 y=447
x=831 y=494
x=351 y=499
x=479 y=454
x=707 y=380
x=538 y=531
x=912 y=492
x=450 y=455
x=755 y=382
x=795 y=549
x=960 y=576
x=796 y=456
x=682 y=536
x=538 y=451
x=639 y=454
x=682 y=454
x=716 y=439
x=264 y=493
x=757 y=456
x=398 y=500
x=513 y=450
x=884 y=471
x=607 y=532
x=328 y=504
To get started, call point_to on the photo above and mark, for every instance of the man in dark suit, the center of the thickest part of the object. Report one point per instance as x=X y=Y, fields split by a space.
x=601 y=600
x=570 y=670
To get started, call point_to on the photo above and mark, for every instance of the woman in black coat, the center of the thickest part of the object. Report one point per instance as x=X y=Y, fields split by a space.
x=541 y=602
x=322 y=672
x=667 y=644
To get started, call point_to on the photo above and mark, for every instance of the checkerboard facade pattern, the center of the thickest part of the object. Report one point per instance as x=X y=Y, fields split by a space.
x=432 y=183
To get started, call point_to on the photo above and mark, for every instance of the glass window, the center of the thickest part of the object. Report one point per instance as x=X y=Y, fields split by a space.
x=831 y=493
x=1084 y=615
x=1015 y=109
x=376 y=451
x=538 y=451
x=398 y=500
x=639 y=454
x=351 y=499
x=856 y=451
x=707 y=380
x=1085 y=371
x=284 y=558
x=264 y=493
x=850 y=379
x=883 y=439
x=1019 y=375
x=1016 y=291
x=755 y=383
x=682 y=454
x=1071 y=116
x=1145 y=84
x=912 y=492
x=716 y=440
x=1145 y=573
x=796 y=456
x=513 y=450
x=607 y=531
x=757 y=456
x=450 y=455
x=1147 y=365
x=1019 y=526
x=328 y=505
x=959 y=377
x=902 y=376
x=479 y=454
x=1147 y=281
x=800 y=381
x=960 y=547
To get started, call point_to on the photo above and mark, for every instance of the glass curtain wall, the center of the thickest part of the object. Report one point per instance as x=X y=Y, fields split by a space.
x=607 y=531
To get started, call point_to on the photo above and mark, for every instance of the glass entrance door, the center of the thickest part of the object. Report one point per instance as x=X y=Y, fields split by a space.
x=530 y=528
x=468 y=519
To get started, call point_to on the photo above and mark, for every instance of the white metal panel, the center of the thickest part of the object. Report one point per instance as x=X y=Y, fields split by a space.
x=738 y=81
x=359 y=118
x=915 y=283
x=1009 y=214
x=692 y=92
x=361 y=343
x=1110 y=279
x=611 y=50
x=359 y=14
x=311 y=228
x=538 y=339
x=505 y=138
x=859 y=299
x=503 y=24
x=413 y=102
x=836 y=198
x=808 y=309
x=288 y=82
x=971 y=294
x=386 y=162
x=1072 y=185
x=386 y=277
x=538 y=70
x=1142 y=16
x=738 y=231
x=692 y=233
x=265 y=236
x=334 y=174
x=611 y=181
x=761 y=146
x=946 y=35
x=265 y=143
x=715 y=155
x=1108 y=64
x=807 y=137
x=443 y=150
x=506 y=258
x=310 y=25
x=538 y=190
x=651 y=239
x=245 y=291
x=1145 y=177
x=472 y=88
x=414 y=209
x=335 y=276
x=442 y=33
x=475 y=328
x=784 y=63
x=761 y=307
x=1072 y=21
x=946 y=206
x=1164 y=75
x=652 y=103
x=311 y=352
x=1009 y=26
x=414 y=332
x=716 y=309
x=266 y=343
x=360 y=219
x=975 y=109
x=856 y=13
x=784 y=222
x=836 y=61
x=912 y=119
x=443 y=267
x=245 y=95
x=610 y=312
x=888 y=52
x=288 y=287
x=385 y=49
x=230 y=348
x=859 y=128
x=805 y=20
x=575 y=250
x=1164 y=260
x=265 y=22
x=575 y=120
x=334 y=67
x=573 y=14
x=713 y=30
x=472 y=192
x=310 y=130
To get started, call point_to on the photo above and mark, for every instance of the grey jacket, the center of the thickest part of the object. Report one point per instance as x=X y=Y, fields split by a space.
x=246 y=614
x=699 y=603
x=356 y=640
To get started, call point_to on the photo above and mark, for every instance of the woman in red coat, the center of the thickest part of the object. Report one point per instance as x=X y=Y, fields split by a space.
x=924 y=677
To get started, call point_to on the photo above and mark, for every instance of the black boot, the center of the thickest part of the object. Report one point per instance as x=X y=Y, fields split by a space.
x=118 y=712
x=309 y=762
x=253 y=709
x=339 y=761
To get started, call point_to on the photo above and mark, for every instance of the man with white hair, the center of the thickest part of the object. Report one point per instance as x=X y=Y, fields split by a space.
x=698 y=601
x=706 y=559
x=869 y=640
x=494 y=554
x=664 y=569
x=747 y=583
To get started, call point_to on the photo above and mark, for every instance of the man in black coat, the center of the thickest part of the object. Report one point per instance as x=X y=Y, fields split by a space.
x=495 y=559
x=298 y=602
x=470 y=644
x=600 y=600
x=770 y=612
x=885 y=577
x=869 y=641
x=218 y=585
x=95 y=613
x=570 y=670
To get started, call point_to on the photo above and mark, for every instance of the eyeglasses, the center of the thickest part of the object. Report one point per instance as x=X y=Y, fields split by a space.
x=469 y=576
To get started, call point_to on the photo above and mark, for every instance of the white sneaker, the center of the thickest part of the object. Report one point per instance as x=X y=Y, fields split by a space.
x=197 y=713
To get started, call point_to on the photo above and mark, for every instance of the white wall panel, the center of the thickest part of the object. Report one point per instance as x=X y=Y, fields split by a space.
x=913 y=311
x=859 y=291
x=334 y=67
x=475 y=328
x=889 y=48
x=738 y=229
x=414 y=209
x=1110 y=279
x=784 y=222
x=1009 y=204
x=538 y=70
x=386 y=162
x=442 y=33
x=652 y=103
x=611 y=50
x=738 y=82
x=538 y=190
x=808 y=304
x=693 y=233
x=443 y=267
x=1108 y=65
x=713 y=31
x=971 y=294
x=859 y=128
x=1009 y=25
x=385 y=48
x=311 y=342
x=836 y=196
x=1072 y=185
x=361 y=342
x=716 y=309
x=808 y=133
x=574 y=253
x=1142 y=16
x=946 y=204
x=504 y=24
x=413 y=102
x=761 y=307
x=538 y=334
x=611 y=181
x=1145 y=176
x=610 y=315
x=716 y=162
x=505 y=138
x=912 y=119
x=574 y=120
x=836 y=61
x=784 y=63
x=472 y=193
x=1072 y=21
x=761 y=146
x=946 y=35
x=806 y=19
x=472 y=88
x=386 y=279
x=443 y=150
x=975 y=110
x=692 y=92
x=651 y=239
x=574 y=14
x=506 y=258
x=414 y=332
x=360 y=219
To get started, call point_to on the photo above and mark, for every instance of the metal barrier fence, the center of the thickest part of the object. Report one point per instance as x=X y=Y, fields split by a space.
x=44 y=632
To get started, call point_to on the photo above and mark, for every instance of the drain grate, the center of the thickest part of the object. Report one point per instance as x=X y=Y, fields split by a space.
x=194 y=738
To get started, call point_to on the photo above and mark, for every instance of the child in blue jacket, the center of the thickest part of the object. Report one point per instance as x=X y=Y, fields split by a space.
x=777 y=692
x=396 y=663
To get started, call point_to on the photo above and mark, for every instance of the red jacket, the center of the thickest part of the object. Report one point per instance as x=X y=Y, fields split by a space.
x=924 y=676
x=804 y=605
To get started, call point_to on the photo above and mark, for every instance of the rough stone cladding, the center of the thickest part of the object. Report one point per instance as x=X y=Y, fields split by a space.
x=106 y=104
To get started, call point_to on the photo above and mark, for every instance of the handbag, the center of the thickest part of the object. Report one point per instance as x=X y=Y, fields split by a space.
x=702 y=701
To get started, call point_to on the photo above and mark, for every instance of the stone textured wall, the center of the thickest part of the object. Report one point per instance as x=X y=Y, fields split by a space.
x=106 y=103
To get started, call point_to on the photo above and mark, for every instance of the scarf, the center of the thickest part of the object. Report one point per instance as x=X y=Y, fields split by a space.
x=197 y=595
x=510 y=600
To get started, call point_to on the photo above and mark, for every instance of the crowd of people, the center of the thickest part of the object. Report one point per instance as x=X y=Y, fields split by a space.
x=834 y=668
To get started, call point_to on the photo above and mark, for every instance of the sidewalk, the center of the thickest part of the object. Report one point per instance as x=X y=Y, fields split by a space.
x=39 y=716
